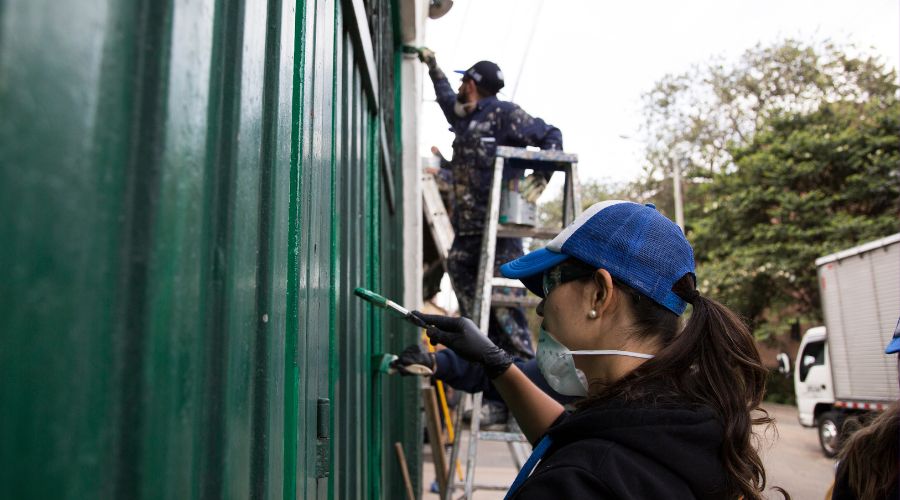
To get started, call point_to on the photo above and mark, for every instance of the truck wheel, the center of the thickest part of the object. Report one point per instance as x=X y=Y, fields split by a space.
x=830 y=432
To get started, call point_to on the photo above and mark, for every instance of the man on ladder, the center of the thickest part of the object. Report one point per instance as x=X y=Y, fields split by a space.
x=481 y=122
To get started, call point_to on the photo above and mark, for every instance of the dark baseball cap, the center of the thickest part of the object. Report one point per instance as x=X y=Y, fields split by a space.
x=486 y=75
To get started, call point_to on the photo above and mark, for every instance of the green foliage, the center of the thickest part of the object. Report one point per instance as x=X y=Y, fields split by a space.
x=780 y=389
x=788 y=154
x=691 y=119
x=808 y=184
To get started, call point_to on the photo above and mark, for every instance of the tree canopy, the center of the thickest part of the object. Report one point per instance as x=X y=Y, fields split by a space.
x=807 y=184
x=788 y=154
x=693 y=118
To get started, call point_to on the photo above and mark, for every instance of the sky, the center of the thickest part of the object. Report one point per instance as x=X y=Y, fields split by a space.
x=583 y=65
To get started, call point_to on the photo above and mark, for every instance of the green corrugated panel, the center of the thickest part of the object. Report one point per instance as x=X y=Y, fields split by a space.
x=58 y=182
x=170 y=405
x=315 y=244
x=191 y=191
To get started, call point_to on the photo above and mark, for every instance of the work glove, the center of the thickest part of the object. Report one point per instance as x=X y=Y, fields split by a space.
x=426 y=55
x=413 y=355
x=437 y=152
x=533 y=186
x=467 y=341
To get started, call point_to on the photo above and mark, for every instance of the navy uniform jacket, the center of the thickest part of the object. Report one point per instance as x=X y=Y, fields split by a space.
x=493 y=123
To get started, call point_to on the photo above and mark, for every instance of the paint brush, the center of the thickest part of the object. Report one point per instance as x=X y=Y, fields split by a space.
x=390 y=305
x=388 y=363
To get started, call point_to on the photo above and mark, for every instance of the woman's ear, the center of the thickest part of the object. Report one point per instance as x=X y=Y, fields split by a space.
x=603 y=297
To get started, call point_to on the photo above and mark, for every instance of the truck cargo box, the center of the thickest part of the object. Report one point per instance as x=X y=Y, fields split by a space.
x=860 y=290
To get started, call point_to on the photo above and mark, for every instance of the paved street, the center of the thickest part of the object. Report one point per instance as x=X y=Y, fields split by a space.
x=792 y=459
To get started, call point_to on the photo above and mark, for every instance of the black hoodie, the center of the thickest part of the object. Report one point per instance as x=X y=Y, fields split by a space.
x=636 y=450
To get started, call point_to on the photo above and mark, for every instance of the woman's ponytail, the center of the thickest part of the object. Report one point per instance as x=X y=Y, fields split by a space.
x=727 y=375
x=712 y=361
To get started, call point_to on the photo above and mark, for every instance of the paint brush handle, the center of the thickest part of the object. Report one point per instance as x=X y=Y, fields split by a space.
x=385 y=303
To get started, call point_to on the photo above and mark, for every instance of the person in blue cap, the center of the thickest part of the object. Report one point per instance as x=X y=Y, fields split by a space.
x=481 y=122
x=667 y=408
x=869 y=459
x=894 y=346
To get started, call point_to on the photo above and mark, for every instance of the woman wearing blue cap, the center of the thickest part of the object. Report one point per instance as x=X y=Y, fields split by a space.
x=667 y=412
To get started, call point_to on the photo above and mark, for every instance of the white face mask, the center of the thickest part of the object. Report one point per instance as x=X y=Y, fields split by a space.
x=460 y=109
x=558 y=367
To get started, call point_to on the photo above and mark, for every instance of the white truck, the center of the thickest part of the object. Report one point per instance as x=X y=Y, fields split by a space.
x=841 y=368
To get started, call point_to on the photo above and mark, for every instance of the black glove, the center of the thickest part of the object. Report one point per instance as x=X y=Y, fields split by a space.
x=467 y=341
x=413 y=355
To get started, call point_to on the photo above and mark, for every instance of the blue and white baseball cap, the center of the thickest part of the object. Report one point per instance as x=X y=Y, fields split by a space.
x=635 y=243
x=894 y=346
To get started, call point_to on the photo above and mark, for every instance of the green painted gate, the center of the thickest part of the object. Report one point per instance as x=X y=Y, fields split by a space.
x=190 y=190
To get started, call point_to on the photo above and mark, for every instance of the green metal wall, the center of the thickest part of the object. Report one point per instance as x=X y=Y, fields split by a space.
x=189 y=193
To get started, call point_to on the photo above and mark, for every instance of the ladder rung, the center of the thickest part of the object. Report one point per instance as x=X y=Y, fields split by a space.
x=508 y=437
x=491 y=487
x=507 y=283
x=481 y=486
x=549 y=155
x=504 y=300
x=516 y=231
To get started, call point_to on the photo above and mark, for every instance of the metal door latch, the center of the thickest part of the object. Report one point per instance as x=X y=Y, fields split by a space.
x=323 y=419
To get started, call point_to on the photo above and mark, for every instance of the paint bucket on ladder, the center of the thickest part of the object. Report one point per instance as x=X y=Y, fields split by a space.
x=514 y=208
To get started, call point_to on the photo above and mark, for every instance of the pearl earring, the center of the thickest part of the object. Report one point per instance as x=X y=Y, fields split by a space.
x=592 y=314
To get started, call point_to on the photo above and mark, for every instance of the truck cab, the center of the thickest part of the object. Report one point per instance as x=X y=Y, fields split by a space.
x=814 y=389
x=812 y=377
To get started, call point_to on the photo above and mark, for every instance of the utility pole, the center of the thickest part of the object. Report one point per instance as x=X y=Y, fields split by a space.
x=676 y=185
x=679 y=205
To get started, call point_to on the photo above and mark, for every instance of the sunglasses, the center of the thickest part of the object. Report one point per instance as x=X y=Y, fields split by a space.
x=565 y=272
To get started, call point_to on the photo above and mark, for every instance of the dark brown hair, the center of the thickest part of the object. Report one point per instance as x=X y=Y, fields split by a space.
x=869 y=457
x=713 y=361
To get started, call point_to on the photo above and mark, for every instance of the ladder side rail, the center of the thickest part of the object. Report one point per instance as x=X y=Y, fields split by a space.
x=572 y=177
x=474 y=426
x=482 y=309
x=568 y=201
x=484 y=281
x=520 y=456
x=436 y=216
x=454 y=450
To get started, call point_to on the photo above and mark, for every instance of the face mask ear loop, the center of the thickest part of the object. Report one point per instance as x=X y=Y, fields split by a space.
x=613 y=352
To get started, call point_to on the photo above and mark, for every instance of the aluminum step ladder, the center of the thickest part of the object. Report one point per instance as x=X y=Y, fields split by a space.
x=489 y=291
x=436 y=217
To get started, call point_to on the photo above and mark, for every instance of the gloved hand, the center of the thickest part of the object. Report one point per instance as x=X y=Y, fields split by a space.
x=426 y=55
x=413 y=355
x=533 y=186
x=467 y=341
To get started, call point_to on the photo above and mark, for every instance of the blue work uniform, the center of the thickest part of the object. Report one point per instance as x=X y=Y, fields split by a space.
x=492 y=123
